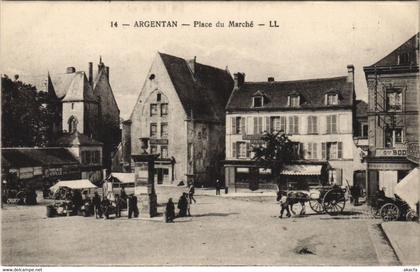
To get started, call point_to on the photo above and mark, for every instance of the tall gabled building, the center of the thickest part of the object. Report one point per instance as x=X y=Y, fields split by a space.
x=393 y=117
x=86 y=104
x=181 y=109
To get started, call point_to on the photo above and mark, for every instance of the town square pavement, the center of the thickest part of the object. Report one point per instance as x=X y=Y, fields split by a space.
x=221 y=231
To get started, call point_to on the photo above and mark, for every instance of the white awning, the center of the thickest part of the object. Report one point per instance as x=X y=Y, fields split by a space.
x=301 y=170
x=408 y=188
x=73 y=184
x=124 y=177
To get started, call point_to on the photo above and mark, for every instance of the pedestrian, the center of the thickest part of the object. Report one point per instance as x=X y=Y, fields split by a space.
x=218 y=185
x=132 y=206
x=183 y=205
x=96 y=201
x=106 y=206
x=123 y=199
x=118 y=205
x=284 y=203
x=191 y=193
x=170 y=211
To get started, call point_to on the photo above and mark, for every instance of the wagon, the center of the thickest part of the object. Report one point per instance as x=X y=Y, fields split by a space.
x=328 y=199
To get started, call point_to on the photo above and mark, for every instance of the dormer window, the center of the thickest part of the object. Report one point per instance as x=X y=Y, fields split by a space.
x=293 y=100
x=258 y=101
x=332 y=99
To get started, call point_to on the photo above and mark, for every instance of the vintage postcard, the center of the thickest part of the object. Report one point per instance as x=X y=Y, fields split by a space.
x=279 y=134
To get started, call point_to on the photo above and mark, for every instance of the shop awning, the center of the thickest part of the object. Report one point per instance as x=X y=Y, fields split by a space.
x=73 y=184
x=301 y=170
x=408 y=188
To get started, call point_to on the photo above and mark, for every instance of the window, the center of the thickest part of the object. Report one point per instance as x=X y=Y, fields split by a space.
x=393 y=137
x=331 y=99
x=72 y=106
x=164 y=151
x=241 y=150
x=153 y=130
x=164 y=130
x=312 y=151
x=158 y=97
x=163 y=109
x=404 y=58
x=153 y=109
x=331 y=124
x=238 y=125
x=393 y=100
x=258 y=125
x=312 y=125
x=332 y=150
x=258 y=101
x=293 y=125
x=72 y=124
x=294 y=100
x=365 y=130
x=153 y=149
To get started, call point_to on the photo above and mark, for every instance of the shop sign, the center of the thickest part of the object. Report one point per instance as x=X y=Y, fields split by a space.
x=263 y=171
x=389 y=166
x=37 y=171
x=142 y=170
x=242 y=170
x=26 y=172
x=52 y=172
x=391 y=152
x=68 y=170
x=159 y=141
x=252 y=137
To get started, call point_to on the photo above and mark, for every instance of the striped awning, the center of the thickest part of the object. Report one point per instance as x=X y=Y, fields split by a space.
x=301 y=170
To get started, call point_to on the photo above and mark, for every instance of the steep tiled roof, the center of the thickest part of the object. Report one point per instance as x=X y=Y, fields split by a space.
x=71 y=87
x=311 y=91
x=205 y=93
x=361 y=108
x=32 y=157
x=408 y=47
x=76 y=139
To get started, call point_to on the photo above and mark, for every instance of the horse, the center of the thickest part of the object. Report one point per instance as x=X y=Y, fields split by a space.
x=295 y=197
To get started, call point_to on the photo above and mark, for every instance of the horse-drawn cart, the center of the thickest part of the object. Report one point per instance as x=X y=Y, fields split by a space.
x=329 y=199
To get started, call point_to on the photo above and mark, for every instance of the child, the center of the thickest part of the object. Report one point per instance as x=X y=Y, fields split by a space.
x=284 y=203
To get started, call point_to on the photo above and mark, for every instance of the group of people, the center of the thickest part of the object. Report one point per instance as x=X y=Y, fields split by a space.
x=183 y=206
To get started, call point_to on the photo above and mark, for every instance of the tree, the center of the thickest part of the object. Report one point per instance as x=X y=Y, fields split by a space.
x=24 y=115
x=276 y=151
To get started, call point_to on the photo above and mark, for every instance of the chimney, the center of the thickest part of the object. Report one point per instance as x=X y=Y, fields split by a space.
x=270 y=79
x=90 y=73
x=107 y=71
x=239 y=79
x=70 y=70
x=350 y=73
x=191 y=64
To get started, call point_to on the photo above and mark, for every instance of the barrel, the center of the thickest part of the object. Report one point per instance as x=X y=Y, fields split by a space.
x=50 y=211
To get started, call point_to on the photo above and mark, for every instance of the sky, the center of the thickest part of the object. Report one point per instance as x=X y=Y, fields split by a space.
x=313 y=40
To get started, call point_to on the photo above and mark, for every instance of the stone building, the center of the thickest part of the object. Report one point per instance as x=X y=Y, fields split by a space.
x=86 y=104
x=181 y=109
x=317 y=113
x=393 y=86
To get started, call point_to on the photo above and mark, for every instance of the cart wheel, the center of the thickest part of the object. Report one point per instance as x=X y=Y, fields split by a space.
x=389 y=212
x=333 y=202
x=411 y=216
x=316 y=206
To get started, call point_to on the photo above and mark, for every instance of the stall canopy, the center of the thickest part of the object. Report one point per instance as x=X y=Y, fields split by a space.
x=73 y=184
x=408 y=188
x=302 y=170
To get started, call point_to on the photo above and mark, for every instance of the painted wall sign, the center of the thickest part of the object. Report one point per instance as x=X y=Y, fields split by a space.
x=158 y=141
x=53 y=172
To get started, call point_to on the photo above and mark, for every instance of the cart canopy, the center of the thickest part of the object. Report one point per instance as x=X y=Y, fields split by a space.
x=408 y=188
x=73 y=184
x=124 y=178
x=302 y=170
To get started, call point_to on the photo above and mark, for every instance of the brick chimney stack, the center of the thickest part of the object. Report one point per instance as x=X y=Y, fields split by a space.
x=239 y=79
x=90 y=75
x=350 y=73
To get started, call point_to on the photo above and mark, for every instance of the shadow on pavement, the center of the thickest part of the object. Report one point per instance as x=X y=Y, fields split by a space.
x=213 y=214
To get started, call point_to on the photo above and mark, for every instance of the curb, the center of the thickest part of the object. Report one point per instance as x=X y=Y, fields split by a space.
x=394 y=246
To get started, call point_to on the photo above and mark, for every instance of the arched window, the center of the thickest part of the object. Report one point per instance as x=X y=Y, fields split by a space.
x=72 y=124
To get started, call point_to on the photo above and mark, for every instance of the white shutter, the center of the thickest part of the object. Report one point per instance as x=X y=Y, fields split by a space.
x=343 y=124
x=228 y=126
x=233 y=125
x=250 y=125
x=323 y=124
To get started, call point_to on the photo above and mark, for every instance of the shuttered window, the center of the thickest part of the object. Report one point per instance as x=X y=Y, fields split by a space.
x=312 y=125
x=267 y=124
x=339 y=150
x=324 y=151
x=234 y=150
x=293 y=125
x=332 y=124
x=258 y=125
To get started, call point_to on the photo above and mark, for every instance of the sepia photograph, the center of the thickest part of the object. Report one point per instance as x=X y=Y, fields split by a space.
x=221 y=133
